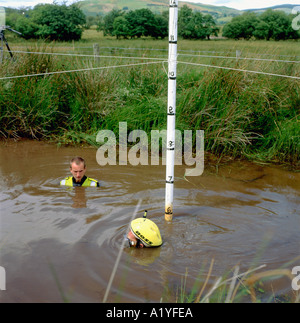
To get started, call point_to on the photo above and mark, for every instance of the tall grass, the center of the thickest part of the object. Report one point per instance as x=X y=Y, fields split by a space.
x=242 y=114
x=237 y=287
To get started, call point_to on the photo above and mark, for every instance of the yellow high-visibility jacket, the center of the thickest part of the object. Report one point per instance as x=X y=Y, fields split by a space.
x=68 y=181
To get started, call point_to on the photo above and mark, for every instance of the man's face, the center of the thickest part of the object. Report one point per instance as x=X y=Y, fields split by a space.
x=133 y=241
x=77 y=171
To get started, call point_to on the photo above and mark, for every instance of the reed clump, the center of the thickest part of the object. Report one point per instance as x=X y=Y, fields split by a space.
x=243 y=115
x=255 y=285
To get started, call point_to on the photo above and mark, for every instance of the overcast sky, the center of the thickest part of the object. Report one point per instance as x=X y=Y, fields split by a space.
x=237 y=4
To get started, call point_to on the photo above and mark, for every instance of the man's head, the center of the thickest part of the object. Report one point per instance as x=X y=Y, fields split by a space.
x=77 y=168
x=144 y=233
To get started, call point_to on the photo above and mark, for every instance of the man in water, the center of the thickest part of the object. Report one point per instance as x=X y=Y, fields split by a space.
x=144 y=233
x=78 y=169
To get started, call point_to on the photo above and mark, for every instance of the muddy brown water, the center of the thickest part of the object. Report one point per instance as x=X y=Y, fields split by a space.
x=59 y=244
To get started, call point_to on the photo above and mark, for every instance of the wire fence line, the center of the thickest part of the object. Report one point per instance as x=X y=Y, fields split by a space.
x=157 y=60
x=73 y=71
x=165 y=49
x=243 y=58
x=91 y=56
x=241 y=70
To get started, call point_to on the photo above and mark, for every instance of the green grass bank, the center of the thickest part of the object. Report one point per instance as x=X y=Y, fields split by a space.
x=244 y=115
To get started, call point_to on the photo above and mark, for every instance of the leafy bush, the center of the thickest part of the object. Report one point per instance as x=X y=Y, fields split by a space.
x=276 y=25
x=49 y=21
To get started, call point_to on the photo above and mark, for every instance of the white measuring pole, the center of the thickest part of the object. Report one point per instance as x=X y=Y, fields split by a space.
x=172 y=74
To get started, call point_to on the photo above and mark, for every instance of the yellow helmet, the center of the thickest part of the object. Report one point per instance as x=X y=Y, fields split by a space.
x=146 y=231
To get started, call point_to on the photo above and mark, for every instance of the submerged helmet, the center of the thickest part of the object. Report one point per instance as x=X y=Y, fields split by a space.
x=146 y=231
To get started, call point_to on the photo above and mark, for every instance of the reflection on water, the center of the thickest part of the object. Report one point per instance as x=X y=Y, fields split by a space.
x=79 y=197
x=242 y=214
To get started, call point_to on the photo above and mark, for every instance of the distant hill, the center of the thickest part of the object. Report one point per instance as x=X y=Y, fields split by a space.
x=221 y=14
x=287 y=8
x=93 y=7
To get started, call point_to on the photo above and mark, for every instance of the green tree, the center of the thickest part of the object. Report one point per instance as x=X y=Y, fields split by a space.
x=58 y=22
x=185 y=22
x=19 y=20
x=261 y=31
x=120 y=26
x=25 y=26
x=141 y=22
x=108 y=22
x=210 y=26
x=275 y=25
x=160 y=29
x=241 y=26
x=195 y=25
